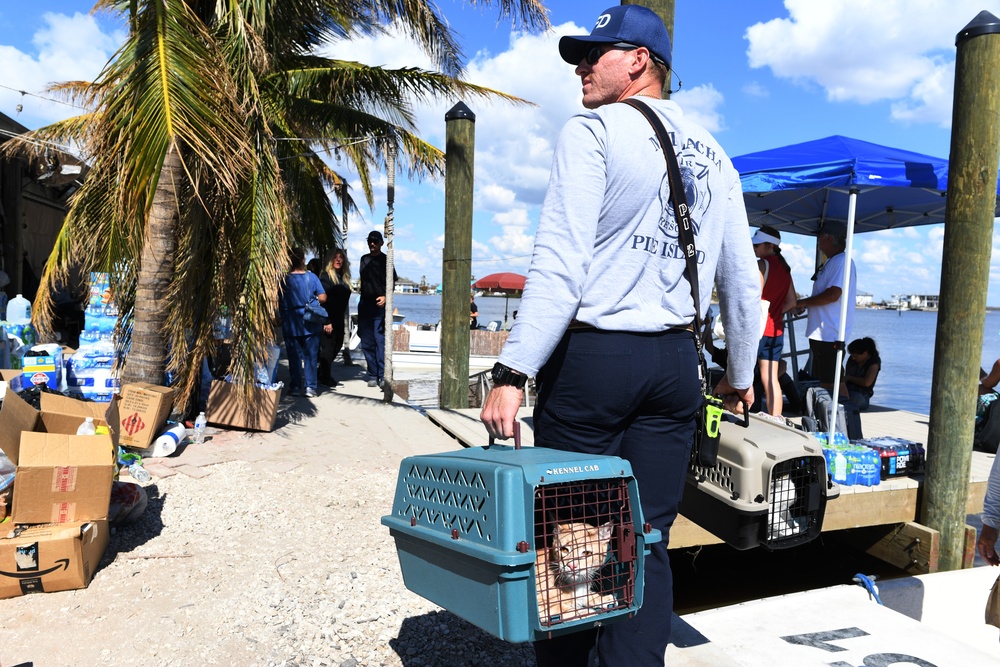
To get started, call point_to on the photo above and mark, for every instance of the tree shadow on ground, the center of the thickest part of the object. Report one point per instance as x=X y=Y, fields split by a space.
x=126 y=538
x=441 y=639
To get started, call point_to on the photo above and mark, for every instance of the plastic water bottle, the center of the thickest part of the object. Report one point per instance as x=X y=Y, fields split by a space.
x=19 y=310
x=167 y=442
x=87 y=427
x=138 y=473
x=840 y=468
x=199 y=428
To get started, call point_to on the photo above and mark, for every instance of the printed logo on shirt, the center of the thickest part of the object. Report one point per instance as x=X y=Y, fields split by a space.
x=694 y=174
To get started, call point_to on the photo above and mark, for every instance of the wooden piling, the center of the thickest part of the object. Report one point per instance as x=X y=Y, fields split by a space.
x=665 y=10
x=965 y=264
x=456 y=267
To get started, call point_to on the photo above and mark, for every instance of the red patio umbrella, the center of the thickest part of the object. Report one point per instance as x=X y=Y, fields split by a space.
x=505 y=282
x=501 y=282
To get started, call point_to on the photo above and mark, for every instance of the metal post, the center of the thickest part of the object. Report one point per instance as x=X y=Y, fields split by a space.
x=457 y=256
x=965 y=265
x=390 y=263
x=347 y=311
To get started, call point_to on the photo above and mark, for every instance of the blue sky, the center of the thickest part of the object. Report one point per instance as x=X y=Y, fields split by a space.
x=758 y=74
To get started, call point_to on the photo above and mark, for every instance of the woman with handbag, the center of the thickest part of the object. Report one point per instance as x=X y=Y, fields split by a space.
x=779 y=291
x=302 y=319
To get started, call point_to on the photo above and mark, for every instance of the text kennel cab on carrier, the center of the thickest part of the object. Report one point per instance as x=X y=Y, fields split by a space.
x=523 y=543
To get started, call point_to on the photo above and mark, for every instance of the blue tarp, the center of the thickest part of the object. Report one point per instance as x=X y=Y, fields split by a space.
x=793 y=188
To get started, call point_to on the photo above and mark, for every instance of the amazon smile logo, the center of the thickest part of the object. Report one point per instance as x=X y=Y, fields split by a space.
x=61 y=563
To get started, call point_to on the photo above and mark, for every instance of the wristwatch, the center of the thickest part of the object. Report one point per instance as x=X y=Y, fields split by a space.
x=506 y=376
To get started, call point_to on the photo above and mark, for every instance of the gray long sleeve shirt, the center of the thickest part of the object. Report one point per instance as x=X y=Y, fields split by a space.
x=606 y=250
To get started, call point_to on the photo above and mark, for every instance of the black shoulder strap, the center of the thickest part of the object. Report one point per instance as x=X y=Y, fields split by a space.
x=681 y=212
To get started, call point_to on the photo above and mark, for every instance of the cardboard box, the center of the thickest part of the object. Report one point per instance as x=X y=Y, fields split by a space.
x=63 y=478
x=44 y=559
x=59 y=414
x=140 y=414
x=10 y=377
x=224 y=410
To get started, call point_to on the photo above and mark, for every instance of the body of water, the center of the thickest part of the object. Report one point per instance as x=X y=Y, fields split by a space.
x=905 y=341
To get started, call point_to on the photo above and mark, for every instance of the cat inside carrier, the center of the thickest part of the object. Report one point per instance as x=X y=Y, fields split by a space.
x=585 y=549
x=769 y=487
x=525 y=543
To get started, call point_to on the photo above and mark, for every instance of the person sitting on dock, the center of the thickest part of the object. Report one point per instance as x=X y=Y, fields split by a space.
x=988 y=381
x=863 y=366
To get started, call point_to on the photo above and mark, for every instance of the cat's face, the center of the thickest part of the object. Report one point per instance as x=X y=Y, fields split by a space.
x=579 y=551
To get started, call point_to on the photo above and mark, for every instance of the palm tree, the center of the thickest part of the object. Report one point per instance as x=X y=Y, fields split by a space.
x=205 y=145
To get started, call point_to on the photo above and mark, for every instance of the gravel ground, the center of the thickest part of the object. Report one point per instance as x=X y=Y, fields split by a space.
x=244 y=567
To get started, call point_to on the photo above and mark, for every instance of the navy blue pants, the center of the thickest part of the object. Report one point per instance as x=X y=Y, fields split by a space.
x=635 y=396
x=371 y=331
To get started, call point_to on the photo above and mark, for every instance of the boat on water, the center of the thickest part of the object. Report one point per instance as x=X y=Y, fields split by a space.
x=417 y=347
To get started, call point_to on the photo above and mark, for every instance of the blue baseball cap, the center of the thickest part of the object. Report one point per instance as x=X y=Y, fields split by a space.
x=629 y=24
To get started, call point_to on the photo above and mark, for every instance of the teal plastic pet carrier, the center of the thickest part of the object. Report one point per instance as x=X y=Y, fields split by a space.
x=523 y=543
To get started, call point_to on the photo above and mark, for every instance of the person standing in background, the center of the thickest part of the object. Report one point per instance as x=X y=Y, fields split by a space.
x=473 y=312
x=823 y=325
x=371 y=307
x=336 y=279
x=301 y=337
x=605 y=321
x=779 y=291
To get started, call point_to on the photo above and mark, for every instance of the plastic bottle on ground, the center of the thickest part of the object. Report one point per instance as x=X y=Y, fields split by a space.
x=87 y=427
x=199 y=429
x=167 y=442
x=138 y=473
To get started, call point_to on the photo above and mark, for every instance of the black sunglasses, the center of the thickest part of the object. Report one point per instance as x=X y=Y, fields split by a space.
x=595 y=52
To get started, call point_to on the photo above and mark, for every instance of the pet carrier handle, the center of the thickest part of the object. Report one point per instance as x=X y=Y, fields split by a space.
x=745 y=421
x=517 y=436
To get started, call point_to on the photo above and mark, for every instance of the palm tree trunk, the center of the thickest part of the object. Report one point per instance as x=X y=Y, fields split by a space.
x=147 y=355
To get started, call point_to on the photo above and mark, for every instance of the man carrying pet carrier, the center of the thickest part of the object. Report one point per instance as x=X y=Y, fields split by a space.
x=605 y=323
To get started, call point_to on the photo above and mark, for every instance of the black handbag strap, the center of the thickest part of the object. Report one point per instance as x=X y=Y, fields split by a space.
x=683 y=218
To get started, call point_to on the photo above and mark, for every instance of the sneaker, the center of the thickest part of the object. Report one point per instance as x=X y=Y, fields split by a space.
x=372 y=383
x=310 y=392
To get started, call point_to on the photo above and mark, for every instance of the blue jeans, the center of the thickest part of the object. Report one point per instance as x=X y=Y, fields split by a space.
x=371 y=331
x=635 y=396
x=303 y=358
x=859 y=399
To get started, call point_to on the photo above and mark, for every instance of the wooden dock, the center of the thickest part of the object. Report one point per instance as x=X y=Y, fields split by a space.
x=885 y=515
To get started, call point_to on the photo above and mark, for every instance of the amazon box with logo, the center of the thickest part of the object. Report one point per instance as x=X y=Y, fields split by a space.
x=49 y=558
x=140 y=413
x=60 y=477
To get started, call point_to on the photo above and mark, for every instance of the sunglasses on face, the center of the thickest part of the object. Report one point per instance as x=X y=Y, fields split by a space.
x=595 y=52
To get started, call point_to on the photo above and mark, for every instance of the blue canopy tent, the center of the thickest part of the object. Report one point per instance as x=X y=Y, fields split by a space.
x=866 y=186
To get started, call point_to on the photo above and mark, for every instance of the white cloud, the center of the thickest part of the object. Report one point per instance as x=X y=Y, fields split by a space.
x=755 y=89
x=495 y=197
x=701 y=104
x=68 y=48
x=857 y=50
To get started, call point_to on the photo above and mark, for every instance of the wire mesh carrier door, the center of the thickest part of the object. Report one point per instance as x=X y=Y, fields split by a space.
x=523 y=543
x=768 y=488
x=585 y=546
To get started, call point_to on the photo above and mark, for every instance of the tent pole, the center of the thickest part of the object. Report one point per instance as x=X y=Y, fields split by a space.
x=852 y=207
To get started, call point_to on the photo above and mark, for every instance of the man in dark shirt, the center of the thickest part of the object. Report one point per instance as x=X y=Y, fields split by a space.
x=371 y=308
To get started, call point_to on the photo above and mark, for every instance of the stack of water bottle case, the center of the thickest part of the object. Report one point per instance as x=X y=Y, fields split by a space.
x=869 y=461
